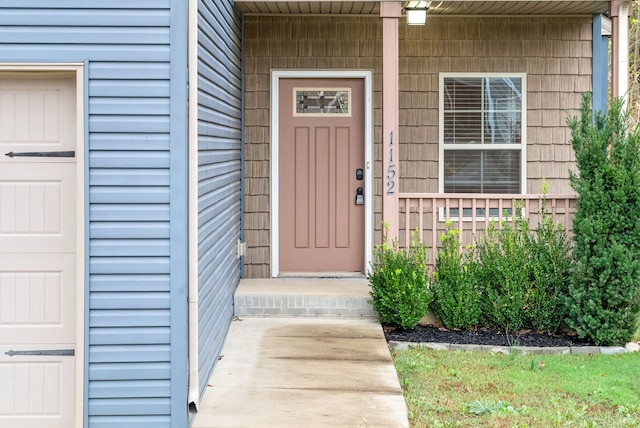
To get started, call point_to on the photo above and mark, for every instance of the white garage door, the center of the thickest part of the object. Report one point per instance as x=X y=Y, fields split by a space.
x=37 y=249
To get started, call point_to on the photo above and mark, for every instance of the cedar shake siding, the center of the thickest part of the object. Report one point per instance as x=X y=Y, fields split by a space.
x=280 y=43
x=554 y=53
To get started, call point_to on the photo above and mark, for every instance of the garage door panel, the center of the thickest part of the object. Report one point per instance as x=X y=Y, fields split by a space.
x=37 y=115
x=36 y=305
x=32 y=213
x=35 y=389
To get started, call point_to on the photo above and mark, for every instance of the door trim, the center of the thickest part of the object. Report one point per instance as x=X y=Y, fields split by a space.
x=367 y=76
x=78 y=70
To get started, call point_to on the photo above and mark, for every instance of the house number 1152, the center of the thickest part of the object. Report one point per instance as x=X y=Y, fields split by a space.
x=391 y=169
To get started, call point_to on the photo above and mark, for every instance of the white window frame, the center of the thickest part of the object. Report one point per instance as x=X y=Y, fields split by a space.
x=523 y=142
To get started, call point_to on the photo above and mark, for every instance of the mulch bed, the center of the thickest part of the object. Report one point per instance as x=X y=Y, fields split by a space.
x=481 y=336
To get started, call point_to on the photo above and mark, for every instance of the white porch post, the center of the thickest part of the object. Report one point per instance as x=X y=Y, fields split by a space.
x=619 y=14
x=390 y=13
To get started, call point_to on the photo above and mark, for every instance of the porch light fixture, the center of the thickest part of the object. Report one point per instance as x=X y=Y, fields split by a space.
x=416 y=12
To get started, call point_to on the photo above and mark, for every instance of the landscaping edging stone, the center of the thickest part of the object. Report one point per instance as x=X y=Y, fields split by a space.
x=524 y=350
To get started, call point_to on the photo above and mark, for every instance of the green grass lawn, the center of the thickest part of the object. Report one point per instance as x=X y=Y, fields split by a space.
x=478 y=389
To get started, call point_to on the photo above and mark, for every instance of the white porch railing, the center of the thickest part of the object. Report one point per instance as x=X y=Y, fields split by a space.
x=472 y=213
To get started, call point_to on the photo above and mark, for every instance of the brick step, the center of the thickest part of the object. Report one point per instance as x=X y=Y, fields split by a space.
x=304 y=297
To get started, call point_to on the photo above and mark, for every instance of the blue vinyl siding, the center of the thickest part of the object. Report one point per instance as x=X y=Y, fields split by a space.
x=136 y=176
x=219 y=174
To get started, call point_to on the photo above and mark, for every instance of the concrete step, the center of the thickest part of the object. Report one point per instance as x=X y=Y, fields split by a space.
x=304 y=297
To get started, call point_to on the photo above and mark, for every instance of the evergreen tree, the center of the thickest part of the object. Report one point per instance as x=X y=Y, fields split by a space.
x=604 y=291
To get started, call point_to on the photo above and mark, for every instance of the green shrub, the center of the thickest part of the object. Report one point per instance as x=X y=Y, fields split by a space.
x=550 y=261
x=603 y=299
x=400 y=288
x=503 y=271
x=514 y=277
x=456 y=295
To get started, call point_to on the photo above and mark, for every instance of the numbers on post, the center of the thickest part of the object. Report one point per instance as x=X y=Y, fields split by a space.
x=391 y=169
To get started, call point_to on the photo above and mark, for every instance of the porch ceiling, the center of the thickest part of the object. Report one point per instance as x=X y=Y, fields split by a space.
x=447 y=7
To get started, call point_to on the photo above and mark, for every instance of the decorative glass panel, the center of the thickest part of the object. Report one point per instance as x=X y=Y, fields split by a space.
x=325 y=102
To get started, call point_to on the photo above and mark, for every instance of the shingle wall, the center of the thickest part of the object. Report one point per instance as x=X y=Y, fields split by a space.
x=277 y=43
x=555 y=53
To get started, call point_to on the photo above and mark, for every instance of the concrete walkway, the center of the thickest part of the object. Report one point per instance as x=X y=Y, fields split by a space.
x=303 y=372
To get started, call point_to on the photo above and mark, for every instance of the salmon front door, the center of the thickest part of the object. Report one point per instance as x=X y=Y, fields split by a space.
x=37 y=249
x=321 y=183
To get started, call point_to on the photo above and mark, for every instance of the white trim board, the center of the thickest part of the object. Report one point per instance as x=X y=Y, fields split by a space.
x=367 y=76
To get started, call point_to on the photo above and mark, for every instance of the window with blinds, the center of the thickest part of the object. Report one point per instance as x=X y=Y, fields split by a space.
x=481 y=133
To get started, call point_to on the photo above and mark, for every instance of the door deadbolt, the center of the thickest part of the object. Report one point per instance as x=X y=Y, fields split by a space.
x=359 y=174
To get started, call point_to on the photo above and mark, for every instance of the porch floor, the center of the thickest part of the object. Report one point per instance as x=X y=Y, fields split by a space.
x=329 y=368
x=342 y=297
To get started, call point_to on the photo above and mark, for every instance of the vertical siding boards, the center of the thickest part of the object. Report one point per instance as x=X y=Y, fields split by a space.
x=126 y=45
x=219 y=174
